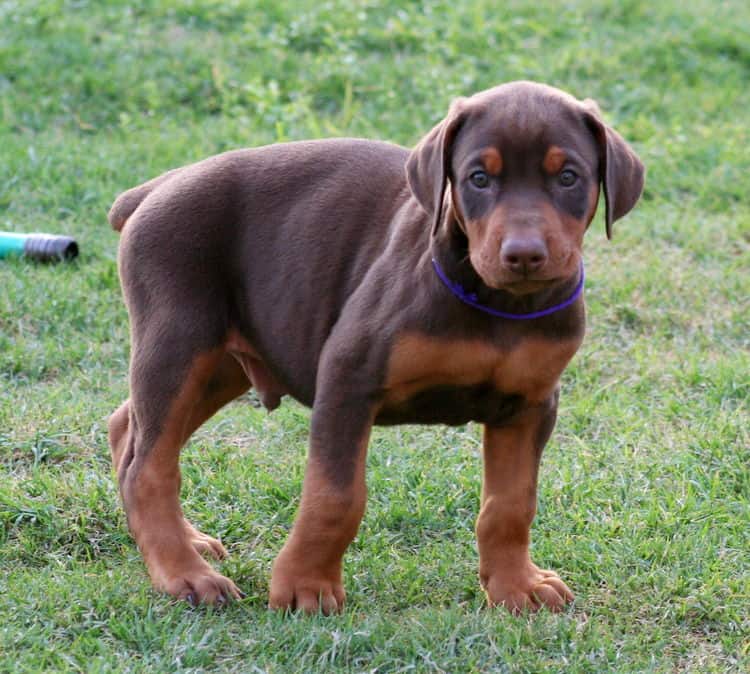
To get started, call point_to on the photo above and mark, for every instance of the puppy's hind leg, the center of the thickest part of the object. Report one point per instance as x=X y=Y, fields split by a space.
x=173 y=389
x=227 y=383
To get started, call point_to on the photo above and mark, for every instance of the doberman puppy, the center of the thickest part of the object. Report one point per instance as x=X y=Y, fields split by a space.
x=379 y=286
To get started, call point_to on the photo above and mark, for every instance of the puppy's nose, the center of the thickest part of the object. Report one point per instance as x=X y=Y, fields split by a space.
x=523 y=256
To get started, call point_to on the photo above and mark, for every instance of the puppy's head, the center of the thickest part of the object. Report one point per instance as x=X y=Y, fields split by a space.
x=517 y=169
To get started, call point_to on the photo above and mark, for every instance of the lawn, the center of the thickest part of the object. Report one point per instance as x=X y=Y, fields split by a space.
x=644 y=503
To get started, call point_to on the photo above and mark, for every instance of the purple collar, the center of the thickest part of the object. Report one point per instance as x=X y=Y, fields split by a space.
x=471 y=299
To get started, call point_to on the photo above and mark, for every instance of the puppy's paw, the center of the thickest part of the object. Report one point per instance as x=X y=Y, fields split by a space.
x=193 y=580
x=300 y=588
x=203 y=588
x=529 y=588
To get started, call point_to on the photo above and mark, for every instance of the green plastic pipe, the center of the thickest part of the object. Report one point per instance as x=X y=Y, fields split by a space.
x=41 y=247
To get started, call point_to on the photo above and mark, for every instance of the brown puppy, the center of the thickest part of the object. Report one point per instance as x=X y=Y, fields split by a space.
x=376 y=285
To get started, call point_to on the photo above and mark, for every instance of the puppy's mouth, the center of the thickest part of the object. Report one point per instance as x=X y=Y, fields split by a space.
x=518 y=284
x=526 y=286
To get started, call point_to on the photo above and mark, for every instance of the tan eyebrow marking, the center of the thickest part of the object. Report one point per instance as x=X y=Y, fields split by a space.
x=553 y=160
x=492 y=160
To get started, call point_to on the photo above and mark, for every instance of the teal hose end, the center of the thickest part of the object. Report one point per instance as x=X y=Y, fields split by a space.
x=40 y=247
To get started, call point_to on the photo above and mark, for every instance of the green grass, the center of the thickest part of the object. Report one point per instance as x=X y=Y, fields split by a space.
x=645 y=487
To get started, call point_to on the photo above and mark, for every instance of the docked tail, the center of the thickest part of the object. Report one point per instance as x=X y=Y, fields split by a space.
x=127 y=202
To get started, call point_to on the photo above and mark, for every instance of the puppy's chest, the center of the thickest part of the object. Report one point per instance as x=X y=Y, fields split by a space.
x=437 y=380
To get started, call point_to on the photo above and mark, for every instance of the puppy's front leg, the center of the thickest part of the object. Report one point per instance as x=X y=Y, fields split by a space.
x=307 y=573
x=511 y=461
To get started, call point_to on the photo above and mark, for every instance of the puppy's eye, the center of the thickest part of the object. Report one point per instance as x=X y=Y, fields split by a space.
x=567 y=178
x=479 y=179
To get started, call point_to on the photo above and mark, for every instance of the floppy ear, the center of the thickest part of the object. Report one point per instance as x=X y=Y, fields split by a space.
x=428 y=164
x=620 y=171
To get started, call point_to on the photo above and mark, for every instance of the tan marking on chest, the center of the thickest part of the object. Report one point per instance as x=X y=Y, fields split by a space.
x=531 y=368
